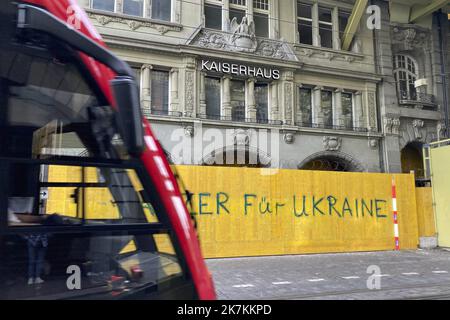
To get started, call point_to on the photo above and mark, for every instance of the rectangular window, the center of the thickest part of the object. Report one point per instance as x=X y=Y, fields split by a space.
x=262 y=102
x=239 y=2
x=212 y=88
x=133 y=7
x=347 y=110
x=305 y=106
x=213 y=16
x=107 y=5
x=238 y=14
x=237 y=90
x=304 y=23
x=161 y=9
x=343 y=21
x=261 y=25
x=160 y=92
x=327 y=108
x=325 y=27
x=261 y=4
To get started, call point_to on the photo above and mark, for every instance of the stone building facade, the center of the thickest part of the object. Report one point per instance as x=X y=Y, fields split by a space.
x=250 y=66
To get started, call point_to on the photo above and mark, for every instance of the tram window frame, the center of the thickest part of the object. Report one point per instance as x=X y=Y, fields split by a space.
x=163 y=226
x=133 y=164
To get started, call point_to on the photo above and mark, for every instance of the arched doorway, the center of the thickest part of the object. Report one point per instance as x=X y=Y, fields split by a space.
x=331 y=161
x=412 y=159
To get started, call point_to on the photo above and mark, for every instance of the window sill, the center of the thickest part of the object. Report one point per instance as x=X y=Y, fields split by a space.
x=327 y=53
x=133 y=22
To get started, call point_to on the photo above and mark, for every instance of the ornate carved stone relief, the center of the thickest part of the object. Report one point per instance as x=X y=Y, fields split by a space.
x=241 y=38
x=132 y=23
x=332 y=143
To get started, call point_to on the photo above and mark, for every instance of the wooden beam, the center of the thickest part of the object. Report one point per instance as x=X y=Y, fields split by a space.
x=422 y=11
x=353 y=22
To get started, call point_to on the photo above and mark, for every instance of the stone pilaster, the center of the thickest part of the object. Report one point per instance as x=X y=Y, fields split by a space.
x=250 y=113
x=338 y=119
x=146 y=85
x=174 y=100
x=359 y=110
x=317 y=105
x=287 y=87
x=274 y=103
x=226 y=97
x=202 y=106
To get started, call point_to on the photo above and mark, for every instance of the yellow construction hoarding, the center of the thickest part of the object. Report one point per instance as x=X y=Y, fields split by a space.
x=243 y=212
x=440 y=176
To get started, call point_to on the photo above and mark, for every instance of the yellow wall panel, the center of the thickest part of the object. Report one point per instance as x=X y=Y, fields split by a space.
x=241 y=212
x=425 y=214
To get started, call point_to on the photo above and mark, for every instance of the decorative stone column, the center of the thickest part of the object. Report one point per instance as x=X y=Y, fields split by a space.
x=250 y=11
x=174 y=101
x=287 y=88
x=371 y=111
x=359 y=111
x=336 y=36
x=225 y=15
x=146 y=94
x=250 y=113
x=315 y=24
x=274 y=25
x=274 y=103
x=189 y=87
x=226 y=97
x=317 y=105
x=338 y=119
x=202 y=106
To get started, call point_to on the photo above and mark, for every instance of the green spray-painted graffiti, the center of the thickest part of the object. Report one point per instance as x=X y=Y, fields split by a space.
x=299 y=206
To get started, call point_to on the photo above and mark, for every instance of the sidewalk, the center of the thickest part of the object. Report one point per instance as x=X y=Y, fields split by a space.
x=404 y=274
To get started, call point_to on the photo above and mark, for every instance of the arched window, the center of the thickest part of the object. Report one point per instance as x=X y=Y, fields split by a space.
x=406 y=72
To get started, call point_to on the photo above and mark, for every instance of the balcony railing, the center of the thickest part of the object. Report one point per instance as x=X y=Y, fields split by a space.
x=329 y=127
x=239 y=119
x=418 y=98
x=262 y=121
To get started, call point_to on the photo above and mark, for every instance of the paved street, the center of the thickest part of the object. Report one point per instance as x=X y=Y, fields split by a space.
x=403 y=275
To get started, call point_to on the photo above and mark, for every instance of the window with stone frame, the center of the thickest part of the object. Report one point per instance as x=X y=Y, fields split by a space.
x=237 y=92
x=160 y=9
x=316 y=25
x=326 y=27
x=305 y=106
x=347 y=109
x=160 y=92
x=214 y=9
x=406 y=74
x=262 y=102
x=327 y=108
x=213 y=97
x=305 y=23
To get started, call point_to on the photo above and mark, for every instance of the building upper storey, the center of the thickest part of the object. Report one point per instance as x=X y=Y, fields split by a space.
x=318 y=34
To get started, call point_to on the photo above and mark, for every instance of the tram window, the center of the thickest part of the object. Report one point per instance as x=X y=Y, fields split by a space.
x=110 y=264
x=83 y=195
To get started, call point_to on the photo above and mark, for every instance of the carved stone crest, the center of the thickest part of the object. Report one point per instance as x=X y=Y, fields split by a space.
x=332 y=143
x=408 y=37
x=241 y=137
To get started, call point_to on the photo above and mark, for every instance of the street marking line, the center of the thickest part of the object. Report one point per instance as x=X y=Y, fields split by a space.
x=410 y=273
x=440 y=271
x=381 y=275
x=351 y=277
x=282 y=282
x=316 y=280
x=243 y=286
